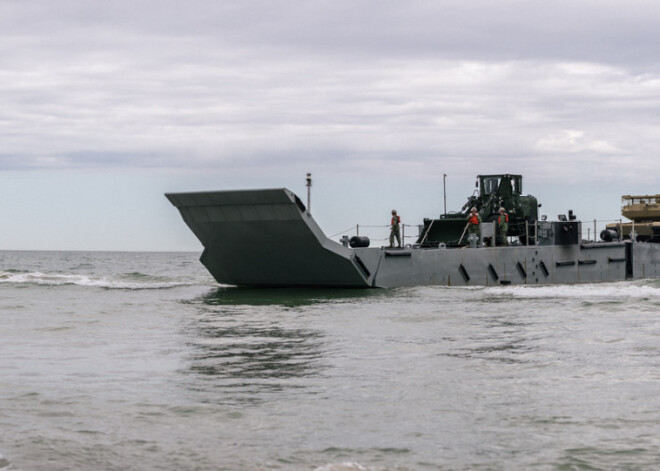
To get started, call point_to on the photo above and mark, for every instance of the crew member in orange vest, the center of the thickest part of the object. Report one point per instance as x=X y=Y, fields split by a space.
x=503 y=226
x=474 y=224
x=394 y=229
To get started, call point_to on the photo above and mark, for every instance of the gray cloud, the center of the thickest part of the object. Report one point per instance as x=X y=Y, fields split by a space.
x=621 y=32
x=546 y=87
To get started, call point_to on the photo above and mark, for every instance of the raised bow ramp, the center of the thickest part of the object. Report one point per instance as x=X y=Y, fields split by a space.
x=266 y=238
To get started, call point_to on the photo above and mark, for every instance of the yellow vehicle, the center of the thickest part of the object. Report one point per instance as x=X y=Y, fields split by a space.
x=644 y=212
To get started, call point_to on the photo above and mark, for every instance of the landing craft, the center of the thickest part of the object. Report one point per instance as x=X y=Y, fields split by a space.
x=267 y=237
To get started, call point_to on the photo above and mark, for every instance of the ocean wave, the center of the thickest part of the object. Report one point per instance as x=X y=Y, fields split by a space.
x=348 y=466
x=616 y=290
x=132 y=281
x=4 y=463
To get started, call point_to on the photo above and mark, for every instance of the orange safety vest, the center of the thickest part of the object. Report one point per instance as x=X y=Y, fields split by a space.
x=398 y=220
x=474 y=219
x=506 y=218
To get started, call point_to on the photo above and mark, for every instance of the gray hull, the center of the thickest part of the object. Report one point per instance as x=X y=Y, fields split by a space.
x=267 y=238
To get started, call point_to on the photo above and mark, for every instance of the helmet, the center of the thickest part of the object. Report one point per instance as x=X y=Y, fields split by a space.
x=473 y=209
x=502 y=210
x=394 y=211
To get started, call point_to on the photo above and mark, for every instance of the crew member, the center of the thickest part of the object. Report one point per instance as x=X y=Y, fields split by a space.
x=394 y=229
x=503 y=226
x=474 y=224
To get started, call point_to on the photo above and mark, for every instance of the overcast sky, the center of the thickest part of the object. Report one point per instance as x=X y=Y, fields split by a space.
x=107 y=105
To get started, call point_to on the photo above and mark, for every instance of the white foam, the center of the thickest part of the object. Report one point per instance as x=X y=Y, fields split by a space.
x=618 y=290
x=38 y=278
x=342 y=467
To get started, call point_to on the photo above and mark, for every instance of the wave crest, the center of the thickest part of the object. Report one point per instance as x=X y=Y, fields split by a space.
x=128 y=281
x=616 y=290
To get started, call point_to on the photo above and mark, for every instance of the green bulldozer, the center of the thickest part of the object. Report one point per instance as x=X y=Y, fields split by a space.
x=491 y=193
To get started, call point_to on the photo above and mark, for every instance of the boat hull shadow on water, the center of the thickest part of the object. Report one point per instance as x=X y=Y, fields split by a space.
x=268 y=238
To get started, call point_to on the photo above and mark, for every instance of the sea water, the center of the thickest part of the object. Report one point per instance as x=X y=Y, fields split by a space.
x=117 y=361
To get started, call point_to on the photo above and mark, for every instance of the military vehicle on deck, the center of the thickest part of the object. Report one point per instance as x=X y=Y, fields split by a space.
x=644 y=212
x=491 y=193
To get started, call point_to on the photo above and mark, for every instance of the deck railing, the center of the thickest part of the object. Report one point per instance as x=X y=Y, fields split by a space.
x=380 y=234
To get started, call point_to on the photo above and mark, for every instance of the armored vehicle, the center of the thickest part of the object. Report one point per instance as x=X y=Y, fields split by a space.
x=644 y=212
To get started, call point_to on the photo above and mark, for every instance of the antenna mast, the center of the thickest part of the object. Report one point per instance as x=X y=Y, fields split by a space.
x=309 y=192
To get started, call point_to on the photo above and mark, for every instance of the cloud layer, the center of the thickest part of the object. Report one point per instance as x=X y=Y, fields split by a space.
x=547 y=88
